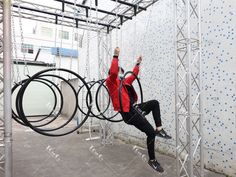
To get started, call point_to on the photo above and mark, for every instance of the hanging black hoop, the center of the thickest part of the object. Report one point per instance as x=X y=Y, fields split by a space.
x=78 y=92
x=20 y=109
x=43 y=81
x=87 y=103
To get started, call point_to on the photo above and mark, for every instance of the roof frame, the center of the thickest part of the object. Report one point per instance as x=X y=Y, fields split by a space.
x=123 y=11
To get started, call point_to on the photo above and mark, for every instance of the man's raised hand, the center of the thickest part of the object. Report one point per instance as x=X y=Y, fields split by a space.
x=117 y=51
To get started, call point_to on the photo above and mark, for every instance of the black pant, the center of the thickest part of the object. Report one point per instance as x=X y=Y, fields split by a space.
x=135 y=118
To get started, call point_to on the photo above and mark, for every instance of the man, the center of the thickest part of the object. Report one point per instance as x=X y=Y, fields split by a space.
x=133 y=114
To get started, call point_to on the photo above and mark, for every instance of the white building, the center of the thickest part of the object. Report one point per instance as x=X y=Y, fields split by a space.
x=49 y=43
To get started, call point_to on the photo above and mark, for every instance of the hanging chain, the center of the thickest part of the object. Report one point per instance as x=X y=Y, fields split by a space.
x=55 y=41
x=73 y=37
x=98 y=44
x=147 y=26
x=16 y=78
x=121 y=37
x=80 y=40
x=87 y=67
x=143 y=42
x=55 y=47
x=26 y=69
x=117 y=23
x=135 y=35
x=61 y=34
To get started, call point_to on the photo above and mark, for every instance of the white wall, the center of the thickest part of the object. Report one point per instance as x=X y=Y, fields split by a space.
x=219 y=24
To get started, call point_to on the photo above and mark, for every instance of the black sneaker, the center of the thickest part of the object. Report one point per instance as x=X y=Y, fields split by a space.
x=155 y=165
x=163 y=134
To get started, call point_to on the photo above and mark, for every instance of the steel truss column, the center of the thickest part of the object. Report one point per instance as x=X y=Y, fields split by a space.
x=189 y=135
x=5 y=122
x=1 y=96
x=103 y=54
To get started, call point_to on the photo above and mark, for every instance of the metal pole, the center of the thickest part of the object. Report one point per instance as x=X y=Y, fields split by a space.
x=7 y=86
x=200 y=96
x=176 y=89
x=189 y=88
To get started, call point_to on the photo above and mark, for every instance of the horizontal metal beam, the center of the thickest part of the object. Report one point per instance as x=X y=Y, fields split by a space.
x=134 y=14
x=32 y=63
x=64 y=16
x=129 y=4
x=51 y=19
x=137 y=12
x=93 y=9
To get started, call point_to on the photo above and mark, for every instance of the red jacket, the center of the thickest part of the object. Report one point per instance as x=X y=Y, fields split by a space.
x=113 y=83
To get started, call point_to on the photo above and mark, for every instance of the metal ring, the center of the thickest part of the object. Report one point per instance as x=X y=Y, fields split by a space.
x=17 y=118
x=20 y=100
x=80 y=88
x=94 y=115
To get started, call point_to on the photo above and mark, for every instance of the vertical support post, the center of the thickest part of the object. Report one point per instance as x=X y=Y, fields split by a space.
x=63 y=7
x=56 y=19
x=176 y=90
x=200 y=96
x=188 y=89
x=2 y=129
x=7 y=86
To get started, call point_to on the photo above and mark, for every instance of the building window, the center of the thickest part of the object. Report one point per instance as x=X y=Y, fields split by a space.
x=64 y=35
x=27 y=48
x=46 y=32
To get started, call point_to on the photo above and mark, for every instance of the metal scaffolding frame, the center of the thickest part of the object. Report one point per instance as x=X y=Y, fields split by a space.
x=5 y=112
x=1 y=95
x=104 y=56
x=189 y=134
x=188 y=93
x=105 y=22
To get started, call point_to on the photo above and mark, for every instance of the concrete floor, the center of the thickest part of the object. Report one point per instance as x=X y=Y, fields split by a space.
x=35 y=155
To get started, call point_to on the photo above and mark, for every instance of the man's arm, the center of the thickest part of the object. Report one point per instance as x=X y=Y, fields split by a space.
x=131 y=78
x=114 y=69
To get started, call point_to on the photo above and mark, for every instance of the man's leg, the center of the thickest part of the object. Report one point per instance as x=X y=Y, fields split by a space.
x=153 y=105
x=135 y=119
x=143 y=125
x=150 y=132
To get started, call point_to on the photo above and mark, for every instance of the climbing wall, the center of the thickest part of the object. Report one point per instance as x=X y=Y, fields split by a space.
x=219 y=62
x=156 y=43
